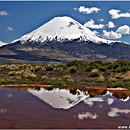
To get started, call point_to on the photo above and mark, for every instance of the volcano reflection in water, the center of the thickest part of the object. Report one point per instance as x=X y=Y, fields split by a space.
x=63 y=108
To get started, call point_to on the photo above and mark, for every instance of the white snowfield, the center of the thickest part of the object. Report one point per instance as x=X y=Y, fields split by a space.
x=61 y=29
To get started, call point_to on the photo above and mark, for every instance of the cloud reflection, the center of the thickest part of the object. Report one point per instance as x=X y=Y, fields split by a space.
x=3 y=111
x=87 y=115
x=90 y=101
x=9 y=95
x=114 y=112
x=110 y=101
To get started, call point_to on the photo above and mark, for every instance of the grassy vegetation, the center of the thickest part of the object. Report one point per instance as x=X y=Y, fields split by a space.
x=95 y=73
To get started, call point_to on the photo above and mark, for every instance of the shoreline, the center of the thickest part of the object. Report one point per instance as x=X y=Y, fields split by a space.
x=43 y=85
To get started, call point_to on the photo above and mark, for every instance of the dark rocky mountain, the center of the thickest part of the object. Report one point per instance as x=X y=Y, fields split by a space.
x=61 y=40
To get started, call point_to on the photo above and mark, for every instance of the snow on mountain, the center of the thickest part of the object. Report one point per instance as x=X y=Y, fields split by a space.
x=2 y=43
x=61 y=29
x=59 y=98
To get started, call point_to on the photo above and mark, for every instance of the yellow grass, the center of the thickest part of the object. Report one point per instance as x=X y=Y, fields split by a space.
x=126 y=76
x=112 y=79
x=101 y=78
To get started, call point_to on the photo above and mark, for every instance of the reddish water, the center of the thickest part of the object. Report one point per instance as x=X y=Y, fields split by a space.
x=42 y=108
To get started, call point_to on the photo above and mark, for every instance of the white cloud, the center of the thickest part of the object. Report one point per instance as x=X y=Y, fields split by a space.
x=2 y=13
x=10 y=29
x=91 y=24
x=90 y=101
x=83 y=9
x=75 y=8
x=110 y=24
x=118 y=33
x=114 y=112
x=87 y=115
x=95 y=32
x=115 y=14
x=123 y=29
x=111 y=35
x=101 y=20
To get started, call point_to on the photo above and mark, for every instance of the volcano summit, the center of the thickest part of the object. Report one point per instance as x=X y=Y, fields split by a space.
x=61 y=29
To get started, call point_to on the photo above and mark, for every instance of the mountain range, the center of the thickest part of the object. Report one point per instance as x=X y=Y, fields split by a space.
x=61 y=40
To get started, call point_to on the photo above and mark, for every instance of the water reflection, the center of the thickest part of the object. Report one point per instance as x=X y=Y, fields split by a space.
x=110 y=101
x=125 y=99
x=122 y=95
x=115 y=112
x=9 y=95
x=60 y=98
x=90 y=101
x=69 y=108
x=87 y=115
x=67 y=98
x=3 y=110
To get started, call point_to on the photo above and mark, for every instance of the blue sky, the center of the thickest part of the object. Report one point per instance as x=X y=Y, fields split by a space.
x=109 y=19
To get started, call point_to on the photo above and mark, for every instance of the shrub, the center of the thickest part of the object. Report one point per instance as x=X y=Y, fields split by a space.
x=49 y=68
x=54 y=78
x=102 y=68
x=111 y=79
x=67 y=78
x=115 y=66
x=108 y=63
x=94 y=73
x=57 y=82
x=122 y=63
x=78 y=64
x=118 y=84
x=44 y=77
x=12 y=74
x=39 y=77
x=96 y=64
x=89 y=68
x=38 y=69
x=119 y=76
x=124 y=69
x=73 y=69
x=118 y=69
x=101 y=78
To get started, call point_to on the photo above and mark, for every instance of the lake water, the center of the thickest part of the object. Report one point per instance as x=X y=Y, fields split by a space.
x=63 y=108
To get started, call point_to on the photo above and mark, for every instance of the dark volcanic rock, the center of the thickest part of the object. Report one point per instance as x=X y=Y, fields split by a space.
x=55 y=52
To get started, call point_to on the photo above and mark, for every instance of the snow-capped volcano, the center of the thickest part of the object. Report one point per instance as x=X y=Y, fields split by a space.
x=61 y=29
x=62 y=40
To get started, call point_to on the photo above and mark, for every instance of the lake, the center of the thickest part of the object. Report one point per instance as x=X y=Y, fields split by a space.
x=48 y=108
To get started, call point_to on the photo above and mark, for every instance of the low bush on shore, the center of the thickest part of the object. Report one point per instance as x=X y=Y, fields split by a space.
x=95 y=73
